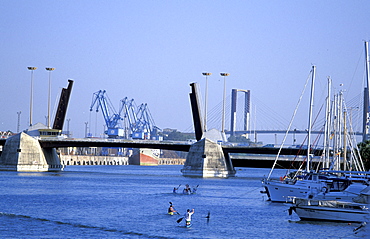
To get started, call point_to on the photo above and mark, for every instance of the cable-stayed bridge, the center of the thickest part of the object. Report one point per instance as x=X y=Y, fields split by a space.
x=240 y=119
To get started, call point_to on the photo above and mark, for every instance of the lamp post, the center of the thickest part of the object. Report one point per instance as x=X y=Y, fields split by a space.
x=86 y=123
x=50 y=69
x=19 y=120
x=223 y=102
x=68 y=127
x=31 y=68
x=206 y=74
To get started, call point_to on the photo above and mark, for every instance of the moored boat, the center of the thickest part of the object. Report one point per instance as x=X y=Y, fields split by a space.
x=300 y=186
x=322 y=185
x=334 y=184
x=144 y=157
x=330 y=210
x=334 y=210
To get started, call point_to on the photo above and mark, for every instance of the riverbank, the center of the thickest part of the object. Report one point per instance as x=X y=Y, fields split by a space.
x=111 y=160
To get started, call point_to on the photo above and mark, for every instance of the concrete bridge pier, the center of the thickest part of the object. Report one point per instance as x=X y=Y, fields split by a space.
x=22 y=152
x=206 y=159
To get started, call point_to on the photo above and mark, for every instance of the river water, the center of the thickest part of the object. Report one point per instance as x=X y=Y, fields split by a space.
x=132 y=201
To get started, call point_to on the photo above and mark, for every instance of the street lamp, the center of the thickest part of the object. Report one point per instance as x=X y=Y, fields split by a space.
x=68 y=127
x=50 y=69
x=19 y=120
x=206 y=74
x=86 y=126
x=223 y=102
x=31 y=68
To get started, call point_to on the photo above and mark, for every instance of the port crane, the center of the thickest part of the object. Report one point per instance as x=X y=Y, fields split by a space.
x=144 y=126
x=111 y=116
x=138 y=121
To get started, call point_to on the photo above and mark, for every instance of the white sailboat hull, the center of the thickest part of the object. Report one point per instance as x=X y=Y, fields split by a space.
x=278 y=191
x=350 y=193
x=330 y=210
x=282 y=191
x=331 y=214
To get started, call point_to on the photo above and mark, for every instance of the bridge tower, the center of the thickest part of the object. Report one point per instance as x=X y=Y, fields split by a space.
x=22 y=152
x=205 y=158
x=366 y=110
x=234 y=93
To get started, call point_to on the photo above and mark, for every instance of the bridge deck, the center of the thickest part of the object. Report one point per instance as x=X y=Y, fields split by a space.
x=169 y=145
x=244 y=158
x=123 y=143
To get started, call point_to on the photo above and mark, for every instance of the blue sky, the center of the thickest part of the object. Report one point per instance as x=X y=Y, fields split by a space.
x=152 y=50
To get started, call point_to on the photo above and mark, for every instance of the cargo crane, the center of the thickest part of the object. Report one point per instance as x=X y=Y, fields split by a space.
x=144 y=126
x=129 y=115
x=111 y=117
x=138 y=121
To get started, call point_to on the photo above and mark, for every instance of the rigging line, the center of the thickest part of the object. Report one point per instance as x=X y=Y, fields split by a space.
x=251 y=191
x=290 y=124
x=314 y=144
x=358 y=63
x=355 y=111
x=353 y=142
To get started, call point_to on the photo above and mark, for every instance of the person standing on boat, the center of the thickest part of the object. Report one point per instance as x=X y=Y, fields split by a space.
x=188 y=215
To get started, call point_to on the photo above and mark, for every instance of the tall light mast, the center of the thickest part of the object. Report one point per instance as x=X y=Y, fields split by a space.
x=32 y=69
x=224 y=74
x=206 y=74
x=50 y=69
x=366 y=95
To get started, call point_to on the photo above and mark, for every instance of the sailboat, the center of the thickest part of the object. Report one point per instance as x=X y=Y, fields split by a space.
x=334 y=210
x=302 y=183
x=330 y=210
x=309 y=183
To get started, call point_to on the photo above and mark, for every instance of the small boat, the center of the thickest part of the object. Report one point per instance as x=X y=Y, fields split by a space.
x=299 y=186
x=321 y=185
x=350 y=193
x=334 y=210
x=330 y=210
x=300 y=183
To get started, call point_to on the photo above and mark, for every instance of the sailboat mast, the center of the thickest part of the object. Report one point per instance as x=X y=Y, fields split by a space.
x=310 y=119
x=336 y=133
x=327 y=127
x=340 y=123
x=345 y=140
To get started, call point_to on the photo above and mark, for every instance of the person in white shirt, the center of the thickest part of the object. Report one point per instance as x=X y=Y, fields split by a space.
x=188 y=215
